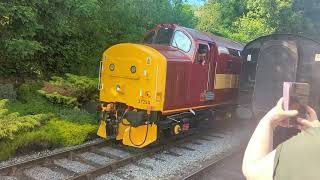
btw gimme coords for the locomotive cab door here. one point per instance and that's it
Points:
(201, 79)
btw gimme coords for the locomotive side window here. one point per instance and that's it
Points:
(181, 41)
(202, 54)
(234, 52)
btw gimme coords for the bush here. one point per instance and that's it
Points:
(34, 123)
(28, 91)
(12, 123)
(32, 102)
(56, 133)
(7, 91)
(72, 90)
(57, 98)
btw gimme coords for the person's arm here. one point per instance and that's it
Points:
(259, 156)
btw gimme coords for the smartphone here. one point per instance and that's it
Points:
(295, 97)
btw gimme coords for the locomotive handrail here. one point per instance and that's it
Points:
(100, 87)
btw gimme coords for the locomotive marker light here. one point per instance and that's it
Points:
(111, 67)
(133, 69)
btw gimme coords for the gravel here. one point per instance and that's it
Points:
(101, 160)
(174, 167)
(74, 166)
(19, 159)
(7, 178)
(43, 173)
(166, 165)
(114, 151)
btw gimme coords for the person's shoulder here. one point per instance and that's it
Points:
(314, 131)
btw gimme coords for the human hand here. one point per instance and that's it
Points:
(310, 121)
(277, 116)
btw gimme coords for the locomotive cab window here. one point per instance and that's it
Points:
(181, 41)
(162, 36)
(202, 54)
(148, 39)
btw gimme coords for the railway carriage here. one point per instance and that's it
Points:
(168, 84)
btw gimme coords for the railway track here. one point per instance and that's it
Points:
(98, 159)
(208, 166)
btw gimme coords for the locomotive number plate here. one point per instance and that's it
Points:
(143, 101)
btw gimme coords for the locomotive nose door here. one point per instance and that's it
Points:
(201, 78)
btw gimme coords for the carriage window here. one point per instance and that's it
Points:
(181, 41)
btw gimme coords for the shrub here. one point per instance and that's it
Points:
(12, 123)
(7, 91)
(32, 102)
(57, 98)
(56, 133)
(28, 91)
(72, 90)
(69, 133)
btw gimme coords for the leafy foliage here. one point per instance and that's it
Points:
(71, 90)
(245, 20)
(33, 123)
(12, 123)
(57, 98)
(41, 38)
(7, 91)
(32, 102)
(56, 133)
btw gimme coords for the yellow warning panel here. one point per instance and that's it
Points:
(123, 125)
(102, 131)
(140, 136)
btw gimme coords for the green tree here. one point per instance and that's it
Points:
(42, 37)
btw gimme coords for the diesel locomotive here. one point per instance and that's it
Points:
(176, 78)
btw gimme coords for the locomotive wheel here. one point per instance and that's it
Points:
(176, 129)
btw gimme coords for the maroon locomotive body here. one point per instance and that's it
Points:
(171, 82)
(195, 81)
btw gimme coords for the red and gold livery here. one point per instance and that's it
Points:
(168, 84)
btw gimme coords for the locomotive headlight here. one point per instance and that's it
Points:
(118, 88)
(133, 69)
(112, 67)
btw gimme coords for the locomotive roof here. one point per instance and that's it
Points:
(197, 35)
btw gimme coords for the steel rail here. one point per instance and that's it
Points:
(64, 153)
(14, 169)
(210, 165)
(131, 158)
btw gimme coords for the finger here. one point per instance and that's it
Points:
(280, 103)
(284, 124)
(311, 112)
(301, 127)
(308, 116)
(304, 122)
(290, 113)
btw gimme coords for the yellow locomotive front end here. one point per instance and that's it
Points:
(132, 87)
